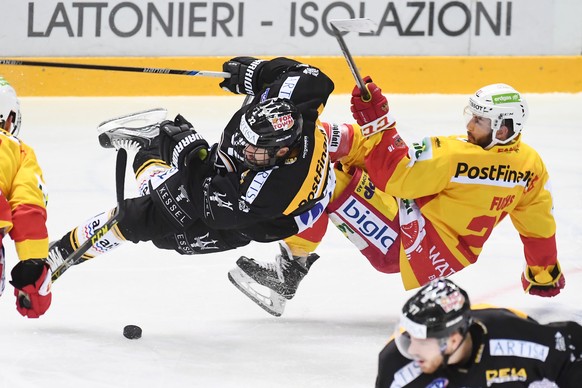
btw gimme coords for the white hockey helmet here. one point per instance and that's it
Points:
(9, 108)
(499, 102)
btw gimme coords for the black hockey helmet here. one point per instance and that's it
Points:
(437, 310)
(268, 126)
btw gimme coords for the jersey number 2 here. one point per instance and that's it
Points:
(477, 224)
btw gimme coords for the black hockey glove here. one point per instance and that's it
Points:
(244, 72)
(179, 142)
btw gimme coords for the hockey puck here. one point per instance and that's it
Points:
(132, 332)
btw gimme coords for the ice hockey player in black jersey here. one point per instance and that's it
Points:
(444, 342)
(268, 177)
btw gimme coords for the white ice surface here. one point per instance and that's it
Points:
(198, 330)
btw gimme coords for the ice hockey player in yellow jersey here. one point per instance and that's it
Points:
(462, 187)
(22, 212)
(432, 205)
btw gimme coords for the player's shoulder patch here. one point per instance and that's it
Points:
(420, 151)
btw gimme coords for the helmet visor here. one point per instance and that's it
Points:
(253, 157)
(469, 114)
(417, 348)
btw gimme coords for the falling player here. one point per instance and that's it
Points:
(268, 178)
(426, 210)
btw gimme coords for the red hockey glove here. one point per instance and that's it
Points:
(366, 111)
(543, 281)
(32, 287)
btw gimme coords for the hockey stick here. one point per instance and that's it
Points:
(152, 70)
(74, 257)
(356, 25)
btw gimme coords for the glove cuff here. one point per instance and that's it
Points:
(544, 275)
(541, 276)
(27, 272)
(380, 124)
(251, 75)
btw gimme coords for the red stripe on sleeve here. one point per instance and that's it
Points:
(540, 251)
(29, 223)
(384, 157)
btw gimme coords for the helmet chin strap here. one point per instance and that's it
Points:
(494, 140)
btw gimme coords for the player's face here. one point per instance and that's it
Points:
(256, 156)
(479, 130)
(427, 353)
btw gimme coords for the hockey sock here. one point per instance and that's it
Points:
(110, 240)
(148, 170)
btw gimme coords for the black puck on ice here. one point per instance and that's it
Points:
(132, 332)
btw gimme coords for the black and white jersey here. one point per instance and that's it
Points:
(282, 201)
(509, 350)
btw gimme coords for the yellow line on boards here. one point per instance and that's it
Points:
(459, 74)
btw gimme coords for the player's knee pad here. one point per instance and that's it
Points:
(368, 217)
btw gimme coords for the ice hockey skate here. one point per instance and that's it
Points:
(133, 131)
(57, 256)
(270, 284)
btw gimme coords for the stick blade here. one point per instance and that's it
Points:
(356, 25)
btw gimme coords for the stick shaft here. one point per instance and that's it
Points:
(351, 63)
(111, 222)
(151, 70)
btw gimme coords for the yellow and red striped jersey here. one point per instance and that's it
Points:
(461, 192)
(22, 198)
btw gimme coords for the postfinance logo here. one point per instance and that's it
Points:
(506, 98)
(494, 175)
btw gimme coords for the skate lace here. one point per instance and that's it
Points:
(127, 144)
(278, 266)
(55, 258)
